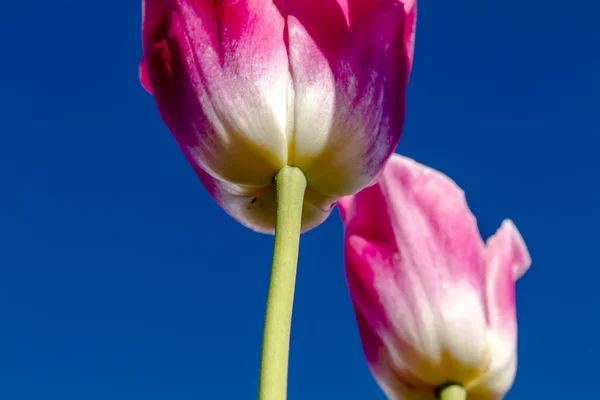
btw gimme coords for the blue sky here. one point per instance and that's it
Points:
(121, 279)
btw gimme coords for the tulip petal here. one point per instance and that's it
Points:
(388, 318)
(394, 385)
(507, 259)
(221, 80)
(143, 74)
(350, 61)
(415, 234)
(255, 208)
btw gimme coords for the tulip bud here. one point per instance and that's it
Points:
(249, 86)
(434, 305)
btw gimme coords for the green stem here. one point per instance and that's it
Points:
(290, 185)
(452, 392)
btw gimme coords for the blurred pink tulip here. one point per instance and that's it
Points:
(434, 304)
(248, 86)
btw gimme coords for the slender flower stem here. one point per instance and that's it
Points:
(452, 392)
(290, 185)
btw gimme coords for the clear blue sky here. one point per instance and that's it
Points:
(121, 279)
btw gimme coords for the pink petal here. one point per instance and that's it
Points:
(255, 208)
(394, 384)
(219, 73)
(143, 73)
(507, 259)
(350, 61)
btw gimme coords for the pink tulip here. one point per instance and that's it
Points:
(249, 86)
(434, 304)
